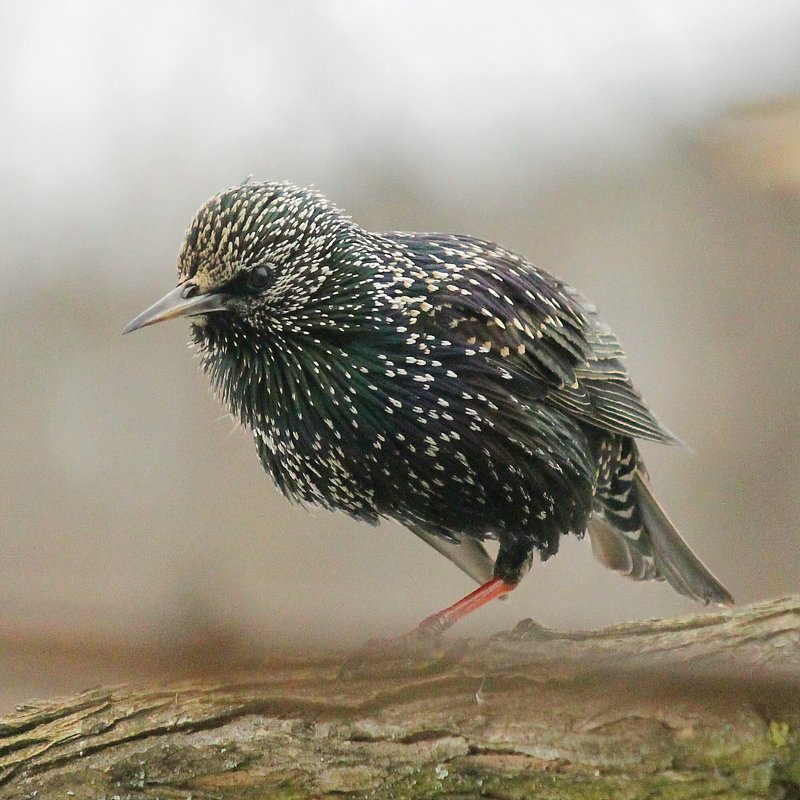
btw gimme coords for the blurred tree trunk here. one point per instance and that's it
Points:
(682, 708)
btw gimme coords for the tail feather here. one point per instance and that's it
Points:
(631, 533)
(615, 550)
(674, 558)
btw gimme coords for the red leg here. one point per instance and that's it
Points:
(441, 621)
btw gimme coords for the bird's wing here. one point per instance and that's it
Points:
(493, 302)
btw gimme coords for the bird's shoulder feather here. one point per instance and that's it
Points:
(498, 305)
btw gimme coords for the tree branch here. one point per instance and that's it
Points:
(677, 708)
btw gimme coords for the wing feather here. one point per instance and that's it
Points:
(534, 325)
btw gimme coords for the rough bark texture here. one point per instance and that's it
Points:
(682, 708)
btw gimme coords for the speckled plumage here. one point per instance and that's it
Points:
(435, 379)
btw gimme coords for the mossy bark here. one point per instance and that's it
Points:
(684, 708)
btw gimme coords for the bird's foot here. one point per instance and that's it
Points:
(425, 644)
(438, 623)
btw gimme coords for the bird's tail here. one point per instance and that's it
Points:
(631, 533)
(673, 558)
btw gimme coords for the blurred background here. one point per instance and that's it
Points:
(647, 152)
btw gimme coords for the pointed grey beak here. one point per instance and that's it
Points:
(180, 302)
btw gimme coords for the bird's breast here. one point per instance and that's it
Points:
(416, 435)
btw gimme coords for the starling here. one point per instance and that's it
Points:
(435, 379)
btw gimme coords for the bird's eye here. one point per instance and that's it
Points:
(259, 278)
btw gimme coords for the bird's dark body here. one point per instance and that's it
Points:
(438, 380)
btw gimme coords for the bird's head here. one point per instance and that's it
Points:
(256, 251)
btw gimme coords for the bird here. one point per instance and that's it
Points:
(434, 379)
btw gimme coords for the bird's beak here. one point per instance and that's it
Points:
(180, 302)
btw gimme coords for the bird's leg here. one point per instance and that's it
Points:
(442, 620)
